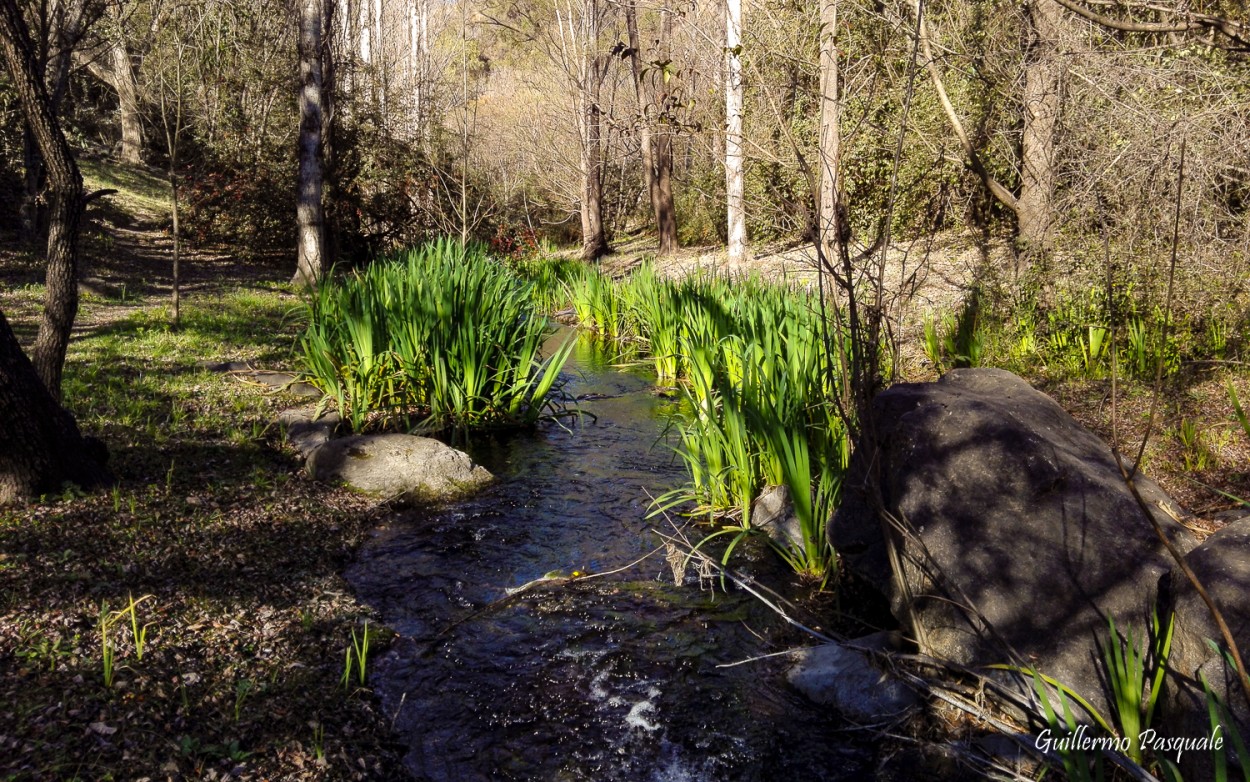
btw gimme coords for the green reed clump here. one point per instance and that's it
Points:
(597, 303)
(755, 380)
(443, 336)
(549, 280)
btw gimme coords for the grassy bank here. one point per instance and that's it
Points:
(231, 667)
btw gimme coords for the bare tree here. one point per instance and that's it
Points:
(735, 190)
(593, 66)
(833, 227)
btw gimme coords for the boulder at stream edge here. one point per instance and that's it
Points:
(1025, 537)
(1222, 566)
(397, 465)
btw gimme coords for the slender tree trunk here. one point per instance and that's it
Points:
(656, 144)
(123, 81)
(176, 300)
(735, 200)
(665, 210)
(832, 228)
(331, 229)
(65, 198)
(1043, 84)
(644, 107)
(310, 216)
(594, 66)
(662, 145)
(594, 241)
(62, 29)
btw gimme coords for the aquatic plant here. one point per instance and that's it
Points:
(444, 337)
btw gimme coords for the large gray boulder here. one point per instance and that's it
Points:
(1024, 538)
(1222, 566)
(397, 465)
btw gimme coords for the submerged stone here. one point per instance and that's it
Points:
(846, 679)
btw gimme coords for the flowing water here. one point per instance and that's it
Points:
(612, 678)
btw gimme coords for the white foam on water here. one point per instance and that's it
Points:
(635, 718)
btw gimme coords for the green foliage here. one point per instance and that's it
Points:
(357, 658)
(1194, 450)
(1076, 336)
(1135, 675)
(959, 340)
(549, 280)
(1136, 679)
(444, 337)
(1238, 410)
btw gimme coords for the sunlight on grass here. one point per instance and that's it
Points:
(138, 190)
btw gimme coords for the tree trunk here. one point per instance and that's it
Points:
(310, 216)
(1043, 83)
(42, 445)
(735, 200)
(594, 241)
(832, 230)
(644, 107)
(123, 81)
(43, 448)
(594, 67)
(665, 211)
(176, 294)
(61, 31)
(119, 75)
(662, 144)
(65, 198)
(656, 144)
(331, 228)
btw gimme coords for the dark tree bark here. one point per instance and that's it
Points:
(655, 144)
(594, 69)
(65, 197)
(43, 448)
(60, 30)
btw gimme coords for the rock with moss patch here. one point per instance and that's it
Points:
(397, 465)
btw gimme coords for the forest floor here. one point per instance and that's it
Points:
(233, 557)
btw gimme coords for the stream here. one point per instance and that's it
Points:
(612, 678)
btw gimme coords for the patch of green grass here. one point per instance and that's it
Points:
(139, 190)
